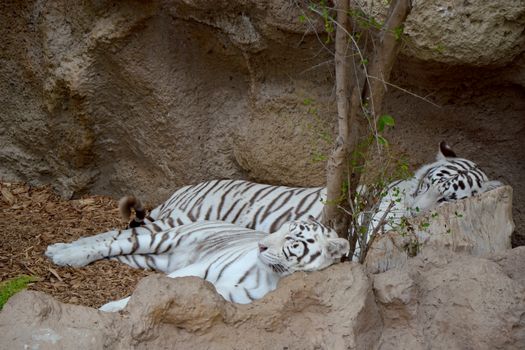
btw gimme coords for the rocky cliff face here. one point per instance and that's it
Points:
(143, 97)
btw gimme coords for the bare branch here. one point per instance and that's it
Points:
(406, 91)
(386, 54)
(365, 246)
(338, 159)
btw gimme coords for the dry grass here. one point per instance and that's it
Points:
(33, 218)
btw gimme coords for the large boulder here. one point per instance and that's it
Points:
(472, 32)
(448, 301)
(34, 320)
(439, 299)
(478, 226)
(333, 309)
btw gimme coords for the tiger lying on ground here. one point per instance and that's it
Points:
(266, 208)
(254, 206)
(242, 264)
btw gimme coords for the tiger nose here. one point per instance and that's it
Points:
(262, 248)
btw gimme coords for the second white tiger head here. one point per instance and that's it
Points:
(449, 178)
(302, 246)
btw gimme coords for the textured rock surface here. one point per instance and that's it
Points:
(142, 97)
(331, 309)
(34, 320)
(447, 301)
(437, 300)
(473, 32)
(512, 263)
(151, 96)
(479, 225)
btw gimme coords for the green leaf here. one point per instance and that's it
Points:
(398, 33)
(302, 18)
(440, 48)
(307, 101)
(382, 140)
(385, 120)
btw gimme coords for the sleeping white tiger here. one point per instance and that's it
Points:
(266, 208)
(255, 206)
(242, 264)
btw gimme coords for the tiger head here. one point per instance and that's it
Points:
(302, 246)
(448, 178)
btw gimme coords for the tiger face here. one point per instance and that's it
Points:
(302, 246)
(448, 178)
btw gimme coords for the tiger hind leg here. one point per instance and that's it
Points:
(148, 229)
(155, 262)
(132, 243)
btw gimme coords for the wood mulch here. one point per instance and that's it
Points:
(33, 217)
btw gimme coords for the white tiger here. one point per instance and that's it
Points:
(266, 208)
(255, 206)
(242, 264)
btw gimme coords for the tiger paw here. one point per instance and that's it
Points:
(72, 256)
(55, 248)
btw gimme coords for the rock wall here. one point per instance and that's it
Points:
(143, 97)
(438, 300)
(472, 32)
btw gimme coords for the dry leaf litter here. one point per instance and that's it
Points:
(34, 217)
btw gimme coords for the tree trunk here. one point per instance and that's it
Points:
(337, 166)
(351, 115)
(385, 55)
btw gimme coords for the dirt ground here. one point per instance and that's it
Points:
(32, 218)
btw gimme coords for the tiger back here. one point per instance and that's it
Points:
(256, 206)
(266, 207)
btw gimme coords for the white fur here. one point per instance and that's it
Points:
(265, 208)
(224, 254)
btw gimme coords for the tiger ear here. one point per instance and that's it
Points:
(337, 247)
(312, 219)
(445, 151)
